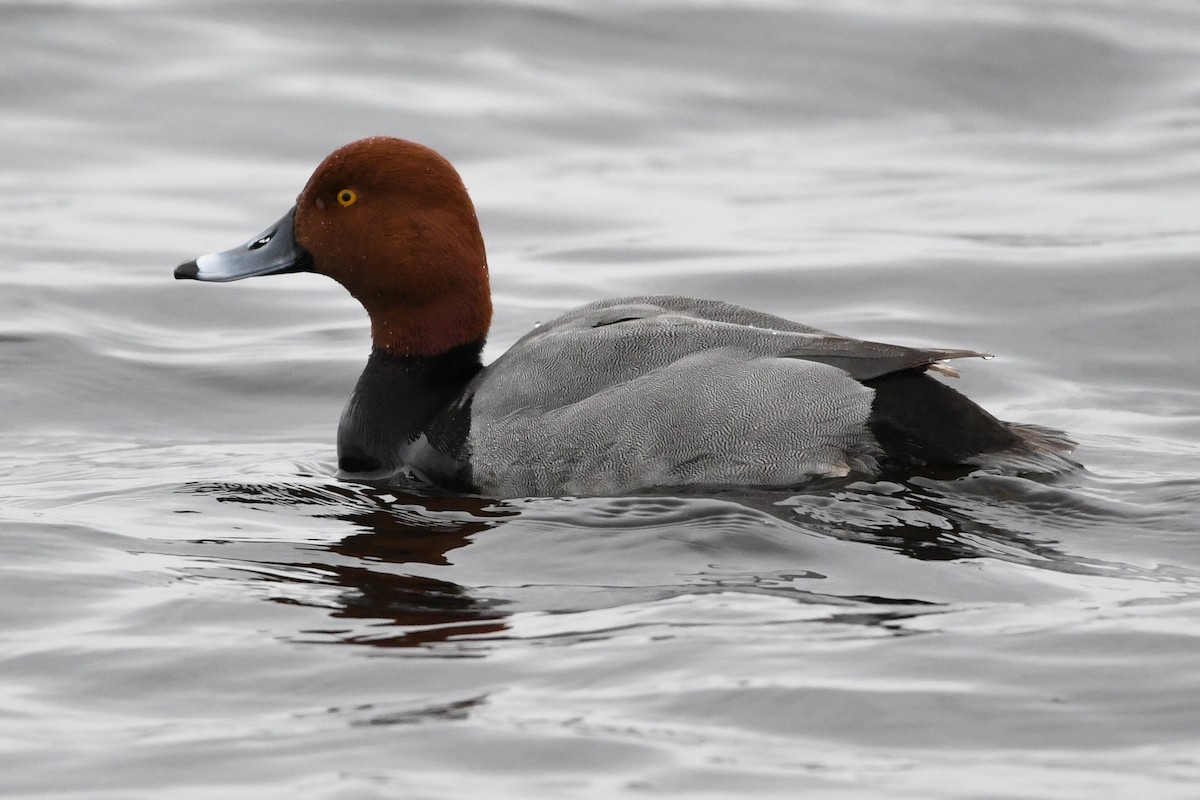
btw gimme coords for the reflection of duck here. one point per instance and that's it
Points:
(429, 610)
(395, 530)
(402, 576)
(616, 396)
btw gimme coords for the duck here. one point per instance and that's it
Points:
(618, 396)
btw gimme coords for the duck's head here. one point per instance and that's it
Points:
(391, 221)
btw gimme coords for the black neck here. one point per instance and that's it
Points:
(396, 400)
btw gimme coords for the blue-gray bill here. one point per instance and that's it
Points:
(272, 252)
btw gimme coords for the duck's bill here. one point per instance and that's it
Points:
(272, 252)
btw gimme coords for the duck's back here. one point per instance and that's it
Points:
(647, 392)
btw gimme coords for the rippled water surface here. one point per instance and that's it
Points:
(192, 605)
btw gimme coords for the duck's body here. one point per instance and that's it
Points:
(616, 396)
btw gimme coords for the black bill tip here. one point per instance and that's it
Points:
(187, 271)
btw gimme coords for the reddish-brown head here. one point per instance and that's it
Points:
(392, 222)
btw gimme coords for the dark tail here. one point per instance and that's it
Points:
(921, 422)
(1038, 450)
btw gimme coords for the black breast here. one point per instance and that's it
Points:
(399, 399)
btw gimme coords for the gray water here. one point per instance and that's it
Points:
(193, 606)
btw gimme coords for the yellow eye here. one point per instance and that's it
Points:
(347, 197)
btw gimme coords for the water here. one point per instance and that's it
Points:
(191, 604)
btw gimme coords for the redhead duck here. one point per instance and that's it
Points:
(617, 396)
